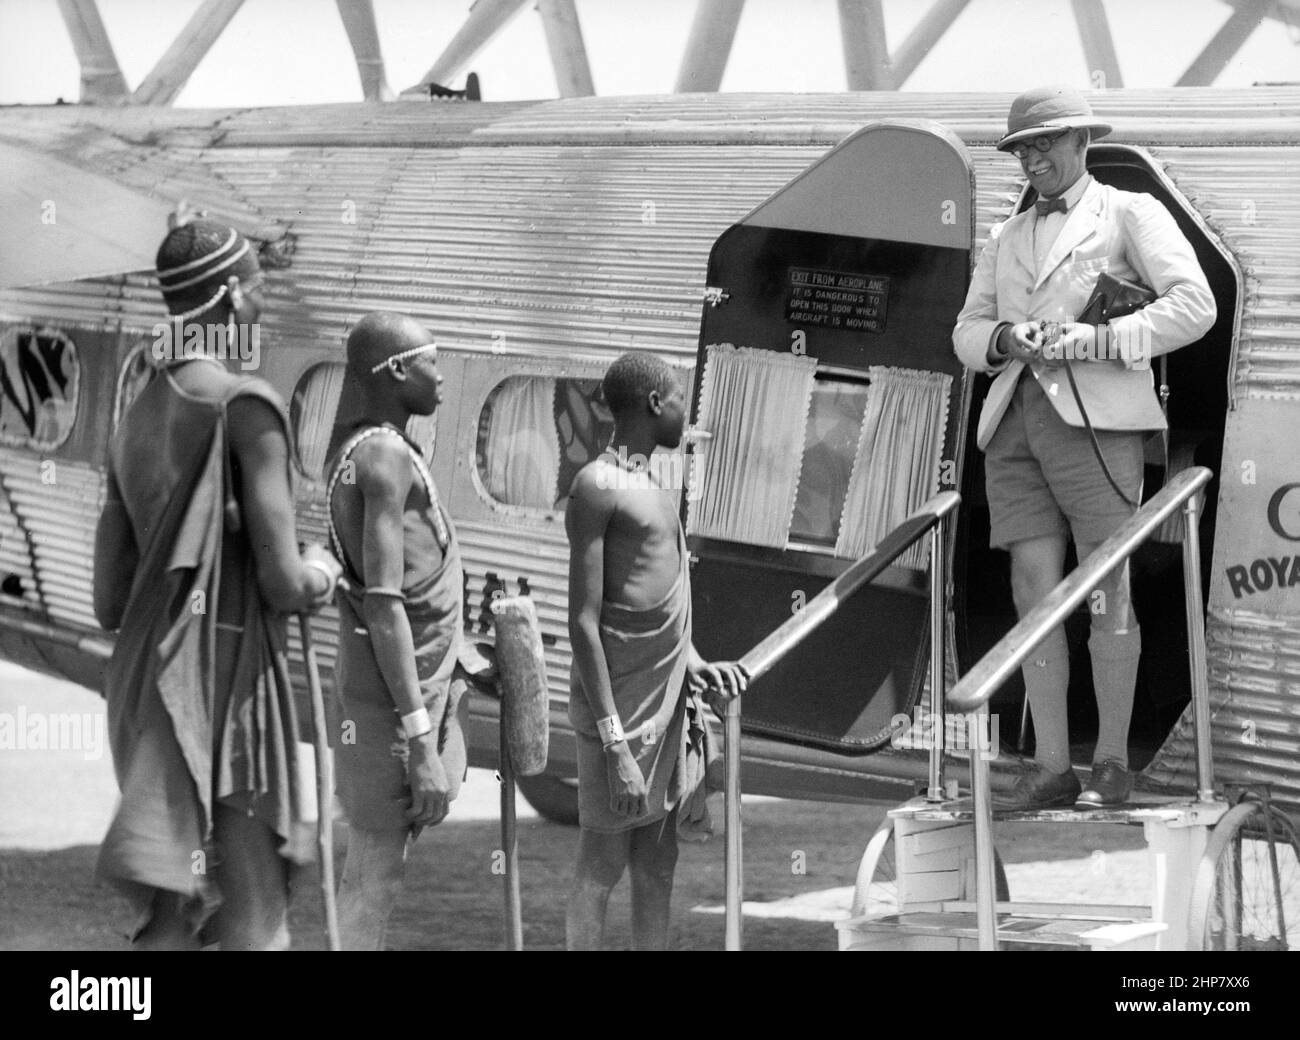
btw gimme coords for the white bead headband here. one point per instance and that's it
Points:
(426, 348)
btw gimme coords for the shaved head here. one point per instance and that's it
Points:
(381, 335)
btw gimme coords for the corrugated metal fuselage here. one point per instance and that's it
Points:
(547, 238)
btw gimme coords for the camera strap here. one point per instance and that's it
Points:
(1092, 434)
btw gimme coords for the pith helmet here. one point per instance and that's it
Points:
(1049, 108)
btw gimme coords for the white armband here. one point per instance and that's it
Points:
(610, 730)
(416, 723)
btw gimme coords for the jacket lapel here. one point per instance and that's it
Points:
(1081, 223)
(1022, 243)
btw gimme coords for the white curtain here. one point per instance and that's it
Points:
(318, 403)
(897, 466)
(755, 402)
(522, 454)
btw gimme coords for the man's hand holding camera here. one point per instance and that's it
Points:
(1051, 343)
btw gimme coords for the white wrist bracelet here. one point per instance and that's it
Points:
(416, 723)
(610, 730)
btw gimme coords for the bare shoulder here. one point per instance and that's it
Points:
(383, 467)
(593, 494)
(594, 482)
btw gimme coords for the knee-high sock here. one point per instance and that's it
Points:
(1047, 681)
(1114, 674)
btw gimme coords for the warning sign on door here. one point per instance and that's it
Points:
(837, 299)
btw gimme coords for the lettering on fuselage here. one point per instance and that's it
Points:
(1267, 573)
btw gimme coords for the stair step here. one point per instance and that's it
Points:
(1176, 812)
(1064, 911)
(960, 931)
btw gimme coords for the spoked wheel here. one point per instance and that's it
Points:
(876, 892)
(1247, 891)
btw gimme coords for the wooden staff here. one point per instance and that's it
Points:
(324, 783)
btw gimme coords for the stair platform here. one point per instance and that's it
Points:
(923, 867)
(957, 930)
(1142, 809)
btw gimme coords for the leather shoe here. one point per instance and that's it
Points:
(1111, 784)
(1038, 789)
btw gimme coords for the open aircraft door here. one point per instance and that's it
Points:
(827, 379)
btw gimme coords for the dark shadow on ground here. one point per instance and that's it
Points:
(454, 900)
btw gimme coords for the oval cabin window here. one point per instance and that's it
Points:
(313, 411)
(40, 377)
(534, 434)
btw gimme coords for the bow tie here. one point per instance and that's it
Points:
(1046, 206)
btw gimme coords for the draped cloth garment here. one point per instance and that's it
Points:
(646, 651)
(372, 765)
(200, 705)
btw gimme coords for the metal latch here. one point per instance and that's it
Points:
(715, 296)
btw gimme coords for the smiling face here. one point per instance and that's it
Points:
(1052, 172)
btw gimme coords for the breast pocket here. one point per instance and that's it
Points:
(1090, 267)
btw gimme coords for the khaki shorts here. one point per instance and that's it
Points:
(1043, 478)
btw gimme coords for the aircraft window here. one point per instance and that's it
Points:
(313, 410)
(311, 415)
(137, 372)
(40, 378)
(871, 446)
(830, 445)
(535, 433)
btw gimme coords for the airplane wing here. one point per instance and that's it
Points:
(60, 223)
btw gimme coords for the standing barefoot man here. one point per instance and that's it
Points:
(634, 701)
(399, 621)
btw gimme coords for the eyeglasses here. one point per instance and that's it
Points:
(1041, 143)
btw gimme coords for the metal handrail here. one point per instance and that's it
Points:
(931, 517)
(976, 687)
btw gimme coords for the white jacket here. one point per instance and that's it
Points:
(1131, 236)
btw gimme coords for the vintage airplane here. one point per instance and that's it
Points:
(540, 240)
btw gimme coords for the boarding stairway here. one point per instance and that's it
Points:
(934, 857)
(944, 848)
(935, 897)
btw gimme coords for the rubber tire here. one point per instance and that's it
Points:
(555, 798)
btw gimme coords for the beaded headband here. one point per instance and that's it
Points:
(391, 362)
